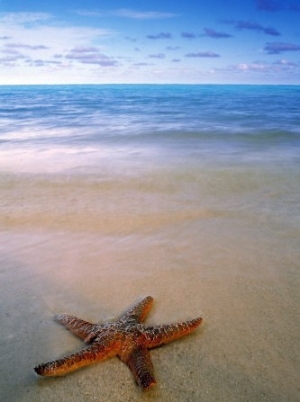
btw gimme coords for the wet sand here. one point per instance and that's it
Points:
(235, 266)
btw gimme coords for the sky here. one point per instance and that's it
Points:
(139, 41)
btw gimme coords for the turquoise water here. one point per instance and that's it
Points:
(149, 124)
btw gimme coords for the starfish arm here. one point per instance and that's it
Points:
(141, 367)
(93, 354)
(139, 311)
(159, 335)
(82, 329)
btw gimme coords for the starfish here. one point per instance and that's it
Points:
(127, 337)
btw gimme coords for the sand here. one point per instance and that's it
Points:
(246, 348)
(234, 261)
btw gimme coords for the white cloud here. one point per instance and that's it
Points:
(30, 33)
(284, 62)
(127, 13)
(23, 18)
(202, 54)
(280, 66)
(142, 15)
(89, 13)
(90, 55)
(24, 46)
(56, 36)
(157, 56)
(36, 49)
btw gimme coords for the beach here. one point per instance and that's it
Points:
(202, 216)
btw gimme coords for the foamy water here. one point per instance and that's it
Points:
(190, 194)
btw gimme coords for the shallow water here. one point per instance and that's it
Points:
(190, 194)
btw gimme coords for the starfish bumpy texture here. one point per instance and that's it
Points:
(126, 338)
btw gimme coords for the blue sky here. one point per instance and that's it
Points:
(138, 41)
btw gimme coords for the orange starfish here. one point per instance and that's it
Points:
(126, 338)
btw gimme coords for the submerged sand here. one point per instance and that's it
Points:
(239, 270)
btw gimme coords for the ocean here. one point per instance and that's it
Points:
(189, 193)
(149, 124)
